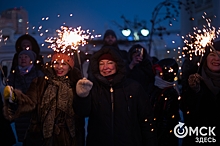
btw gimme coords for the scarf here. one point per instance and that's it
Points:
(212, 80)
(58, 95)
(160, 83)
(25, 70)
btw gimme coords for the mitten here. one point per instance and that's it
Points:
(83, 87)
(194, 81)
(9, 94)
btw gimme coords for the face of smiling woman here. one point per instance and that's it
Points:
(107, 67)
(213, 61)
(61, 68)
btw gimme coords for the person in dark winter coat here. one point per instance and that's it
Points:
(189, 66)
(6, 133)
(201, 106)
(140, 67)
(21, 79)
(118, 108)
(165, 101)
(49, 99)
(110, 39)
(27, 42)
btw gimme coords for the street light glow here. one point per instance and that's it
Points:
(145, 32)
(126, 32)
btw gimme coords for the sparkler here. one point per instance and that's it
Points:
(4, 81)
(68, 41)
(202, 38)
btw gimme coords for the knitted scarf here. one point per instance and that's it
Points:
(212, 80)
(58, 95)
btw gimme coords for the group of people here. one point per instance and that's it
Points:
(129, 99)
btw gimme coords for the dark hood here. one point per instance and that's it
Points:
(109, 32)
(120, 65)
(133, 50)
(35, 46)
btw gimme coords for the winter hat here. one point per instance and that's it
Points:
(216, 45)
(135, 48)
(107, 57)
(109, 32)
(30, 53)
(63, 56)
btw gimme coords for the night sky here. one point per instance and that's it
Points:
(95, 15)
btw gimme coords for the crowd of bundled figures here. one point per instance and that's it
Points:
(130, 98)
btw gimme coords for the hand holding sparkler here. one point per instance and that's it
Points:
(83, 87)
(194, 81)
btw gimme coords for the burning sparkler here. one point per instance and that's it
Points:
(68, 41)
(202, 38)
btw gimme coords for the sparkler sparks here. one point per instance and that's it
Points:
(202, 38)
(69, 39)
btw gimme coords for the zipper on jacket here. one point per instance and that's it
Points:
(112, 100)
(112, 108)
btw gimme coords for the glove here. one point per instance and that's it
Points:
(83, 87)
(194, 81)
(9, 94)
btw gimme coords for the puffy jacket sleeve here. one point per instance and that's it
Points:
(24, 102)
(82, 106)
